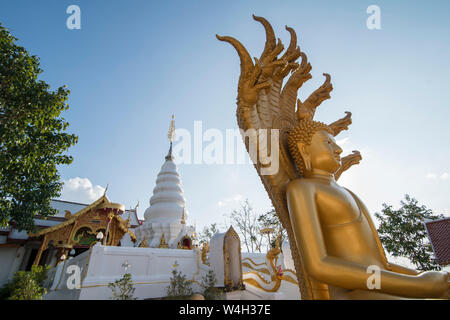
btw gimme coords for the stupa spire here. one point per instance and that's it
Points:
(171, 136)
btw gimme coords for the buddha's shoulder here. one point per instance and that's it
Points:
(301, 185)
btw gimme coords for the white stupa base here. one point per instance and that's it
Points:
(150, 269)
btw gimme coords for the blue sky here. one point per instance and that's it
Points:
(134, 63)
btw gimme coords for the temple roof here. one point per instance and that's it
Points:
(102, 202)
(439, 234)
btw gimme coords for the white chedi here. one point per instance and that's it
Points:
(165, 218)
(166, 214)
(167, 202)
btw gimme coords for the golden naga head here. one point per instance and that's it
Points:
(267, 98)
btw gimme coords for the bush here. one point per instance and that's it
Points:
(180, 288)
(208, 284)
(122, 289)
(27, 285)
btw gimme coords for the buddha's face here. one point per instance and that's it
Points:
(323, 153)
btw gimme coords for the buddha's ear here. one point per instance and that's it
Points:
(305, 155)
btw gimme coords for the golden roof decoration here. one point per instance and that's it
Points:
(67, 214)
(101, 203)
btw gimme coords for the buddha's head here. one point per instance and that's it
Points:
(312, 146)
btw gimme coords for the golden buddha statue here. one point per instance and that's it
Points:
(333, 240)
(162, 242)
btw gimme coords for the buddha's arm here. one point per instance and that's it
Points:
(340, 272)
(401, 269)
(390, 266)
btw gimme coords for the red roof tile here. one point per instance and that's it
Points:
(439, 234)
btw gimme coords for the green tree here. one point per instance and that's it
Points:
(123, 288)
(403, 232)
(207, 233)
(28, 285)
(32, 137)
(270, 220)
(179, 287)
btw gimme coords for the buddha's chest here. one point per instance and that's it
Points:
(336, 206)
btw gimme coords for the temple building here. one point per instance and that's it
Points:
(70, 232)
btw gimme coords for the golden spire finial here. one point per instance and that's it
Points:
(171, 134)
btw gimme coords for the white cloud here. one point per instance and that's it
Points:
(81, 190)
(431, 176)
(342, 141)
(231, 201)
(347, 148)
(435, 176)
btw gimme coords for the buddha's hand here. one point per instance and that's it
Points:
(435, 284)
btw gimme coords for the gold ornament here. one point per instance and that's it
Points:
(143, 243)
(162, 242)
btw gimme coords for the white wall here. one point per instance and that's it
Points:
(150, 269)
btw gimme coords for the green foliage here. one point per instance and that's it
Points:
(27, 285)
(270, 220)
(179, 288)
(403, 233)
(32, 137)
(207, 233)
(208, 284)
(123, 288)
(40, 273)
